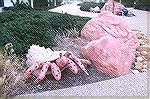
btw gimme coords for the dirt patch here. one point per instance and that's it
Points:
(68, 78)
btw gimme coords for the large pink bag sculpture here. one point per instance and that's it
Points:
(109, 55)
(113, 6)
(108, 24)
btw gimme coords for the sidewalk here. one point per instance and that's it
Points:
(128, 85)
(73, 9)
(139, 21)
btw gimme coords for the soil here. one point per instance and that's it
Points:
(68, 80)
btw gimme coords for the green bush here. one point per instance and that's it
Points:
(19, 6)
(128, 3)
(23, 28)
(66, 21)
(85, 6)
(45, 5)
(23, 31)
(40, 3)
(140, 4)
(143, 5)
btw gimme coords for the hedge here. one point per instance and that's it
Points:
(143, 5)
(140, 4)
(85, 6)
(26, 27)
(128, 3)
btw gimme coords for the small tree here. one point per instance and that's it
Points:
(128, 3)
(17, 1)
(29, 2)
(40, 3)
(20, 1)
(143, 5)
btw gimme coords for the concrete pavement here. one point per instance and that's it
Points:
(139, 21)
(73, 9)
(128, 85)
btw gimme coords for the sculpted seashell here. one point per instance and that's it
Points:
(41, 54)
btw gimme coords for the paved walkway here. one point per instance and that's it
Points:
(128, 85)
(140, 21)
(73, 9)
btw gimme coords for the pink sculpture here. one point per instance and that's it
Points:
(45, 60)
(112, 44)
(113, 6)
(109, 55)
(108, 24)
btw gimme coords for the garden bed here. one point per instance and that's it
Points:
(68, 78)
(42, 22)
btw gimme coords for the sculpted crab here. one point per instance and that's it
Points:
(41, 62)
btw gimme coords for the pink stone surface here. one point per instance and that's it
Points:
(109, 55)
(113, 7)
(108, 24)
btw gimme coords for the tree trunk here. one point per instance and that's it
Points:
(17, 2)
(1, 3)
(29, 2)
(40, 3)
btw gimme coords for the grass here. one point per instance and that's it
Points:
(1, 69)
(1, 61)
(11, 70)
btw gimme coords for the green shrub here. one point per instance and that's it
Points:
(19, 6)
(85, 6)
(45, 4)
(140, 4)
(40, 3)
(62, 22)
(23, 28)
(24, 31)
(143, 5)
(128, 3)
(66, 21)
